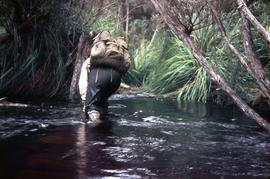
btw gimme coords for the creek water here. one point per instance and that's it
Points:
(142, 138)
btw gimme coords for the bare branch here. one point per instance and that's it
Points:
(254, 70)
(257, 25)
(179, 30)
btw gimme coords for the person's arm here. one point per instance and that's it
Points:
(83, 80)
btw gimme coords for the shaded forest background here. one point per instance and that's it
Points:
(38, 46)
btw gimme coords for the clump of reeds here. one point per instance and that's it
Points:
(38, 55)
(168, 68)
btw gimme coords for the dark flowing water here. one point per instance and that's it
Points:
(145, 138)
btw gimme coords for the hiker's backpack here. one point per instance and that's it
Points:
(111, 52)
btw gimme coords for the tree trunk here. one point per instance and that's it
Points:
(253, 67)
(120, 12)
(247, 41)
(175, 24)
(253, 60)
(244, 9)
(127, 19)
(82, 53)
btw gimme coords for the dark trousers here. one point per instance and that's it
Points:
(102, 83)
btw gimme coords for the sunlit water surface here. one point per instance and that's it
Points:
(143, 138)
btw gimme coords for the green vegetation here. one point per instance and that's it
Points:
(38, 56)
(38, 60)
(168, 68)
(172, 70)
(2, 31)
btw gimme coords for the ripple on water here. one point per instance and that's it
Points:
(155, 120)
(148, 141)
(147, 122)
(117, 106)
(130, 173)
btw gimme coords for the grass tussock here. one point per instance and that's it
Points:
(38, 59)
(38, 55)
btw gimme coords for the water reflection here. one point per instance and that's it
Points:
(91, 146)
(77, 151)
(145, 138)
(192, 109)
(81, 148)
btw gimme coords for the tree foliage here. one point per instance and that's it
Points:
(38, 44)
(169, 9)
(41, 37)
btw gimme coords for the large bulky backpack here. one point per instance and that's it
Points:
(109, 51)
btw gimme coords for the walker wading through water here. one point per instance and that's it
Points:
(111, 52)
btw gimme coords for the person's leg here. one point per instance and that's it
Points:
(102, 83)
